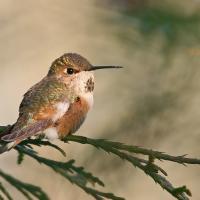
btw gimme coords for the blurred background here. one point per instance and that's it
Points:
(153, 102)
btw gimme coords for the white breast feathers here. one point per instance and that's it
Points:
(51, 133)
(88, 98)
(61, 109)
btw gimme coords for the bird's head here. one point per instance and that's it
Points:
(75, 69)
(72, 63)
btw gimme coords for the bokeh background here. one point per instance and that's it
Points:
(153, 102)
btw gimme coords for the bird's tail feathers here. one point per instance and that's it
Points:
(6, 147)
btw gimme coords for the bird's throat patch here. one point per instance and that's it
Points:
(89, 85)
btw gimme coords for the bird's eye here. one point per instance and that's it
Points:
(70, 71)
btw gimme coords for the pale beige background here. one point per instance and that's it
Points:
(153, 102)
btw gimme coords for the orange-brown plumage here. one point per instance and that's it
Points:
(58, 104)
(74, 118)
(44, 113)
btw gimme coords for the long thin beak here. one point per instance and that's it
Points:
(103, 67)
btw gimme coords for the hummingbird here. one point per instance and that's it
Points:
(57, 105)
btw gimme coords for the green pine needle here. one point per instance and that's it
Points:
(5, 192)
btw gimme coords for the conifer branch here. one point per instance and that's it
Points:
(5, 192)
(76, 175)
(81, 178)
(105, 144)
(28, 190)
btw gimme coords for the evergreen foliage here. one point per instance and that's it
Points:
(86, 180)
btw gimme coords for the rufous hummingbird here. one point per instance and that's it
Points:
(57, 105)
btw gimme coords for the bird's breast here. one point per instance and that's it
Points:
(71, 121)
(61, 108)
(88, 98)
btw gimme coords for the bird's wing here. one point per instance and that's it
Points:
(29, 131)
(38, 109)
